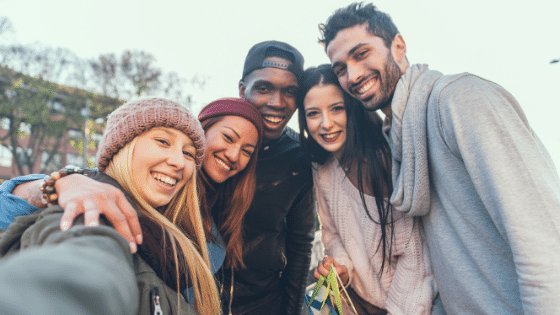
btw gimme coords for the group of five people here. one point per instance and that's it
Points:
(419, 213)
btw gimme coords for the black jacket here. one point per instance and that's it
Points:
(278, 231)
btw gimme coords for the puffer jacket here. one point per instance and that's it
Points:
(85, 270)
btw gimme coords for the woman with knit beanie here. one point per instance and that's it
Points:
(150, 150)
(226, 182)
(233, 129)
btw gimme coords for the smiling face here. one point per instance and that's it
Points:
(273, 91)
(366, 68)
(325, 115)
(162, 163)
(230, 143)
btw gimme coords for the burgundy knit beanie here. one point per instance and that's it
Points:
(136, 117)
(233, 106)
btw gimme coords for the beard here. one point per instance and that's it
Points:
(388, 82)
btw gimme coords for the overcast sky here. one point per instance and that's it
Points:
(509, 42)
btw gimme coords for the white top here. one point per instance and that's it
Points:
(351, 238)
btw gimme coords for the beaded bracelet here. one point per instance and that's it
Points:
(48, 192)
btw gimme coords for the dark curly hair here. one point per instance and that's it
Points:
(380, 23)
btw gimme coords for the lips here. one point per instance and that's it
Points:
(331, 137)
(273, 120)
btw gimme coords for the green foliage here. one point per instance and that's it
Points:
(48, 110)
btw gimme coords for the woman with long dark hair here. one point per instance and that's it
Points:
(378, 253)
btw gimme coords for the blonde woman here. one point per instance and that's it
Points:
(150, 150)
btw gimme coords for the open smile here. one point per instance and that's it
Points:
(165, 179)
(331, 136)
(223, 164)
(273, 120)
(365, 86)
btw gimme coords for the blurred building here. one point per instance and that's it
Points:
(44, 125)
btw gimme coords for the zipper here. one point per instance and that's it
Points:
(155, 302)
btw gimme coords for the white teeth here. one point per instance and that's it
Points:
(165, 179)
(273, 119)
(365, 87)
(223, 164)
(330, 136)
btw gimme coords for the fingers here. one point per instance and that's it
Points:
(324, 266)
(131, 217)
(316, 274)
(91, 213)
(119, 222)
(70, 214)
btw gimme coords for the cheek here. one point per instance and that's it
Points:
(312, 125)
(243, 162)
(188, 172)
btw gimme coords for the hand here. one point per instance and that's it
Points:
(324, 267)
(93, 198)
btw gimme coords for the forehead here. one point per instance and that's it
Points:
(277, 77)
(323, 95)
(171, 132)
(348, 39)
(234, 122)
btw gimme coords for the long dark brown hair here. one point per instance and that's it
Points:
(365, 150)
(228, 204)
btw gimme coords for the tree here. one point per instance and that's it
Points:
(133, 74)
(5, 25)
(35, 131)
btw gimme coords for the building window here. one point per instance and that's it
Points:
(5, 123)
(56, 106)
(75, 134)
(6, 156)
(25, 128)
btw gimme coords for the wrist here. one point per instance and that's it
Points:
(49, 194)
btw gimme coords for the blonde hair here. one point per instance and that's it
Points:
(183, 211)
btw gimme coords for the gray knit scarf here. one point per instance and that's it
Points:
(406, 134)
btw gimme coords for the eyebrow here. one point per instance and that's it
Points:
(358, 46)
(257, 82)
(317, 108)
(233, 130)
(336, 103)
(350, 53)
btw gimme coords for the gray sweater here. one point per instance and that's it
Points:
(466, 158)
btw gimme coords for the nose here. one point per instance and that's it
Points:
(275, 100)
(232, 154)
(326, 122)
(354, 72)
(176, 159)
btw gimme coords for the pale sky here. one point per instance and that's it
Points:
(508, 42)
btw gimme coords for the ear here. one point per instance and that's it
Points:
(241, 89)
(398, 51)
